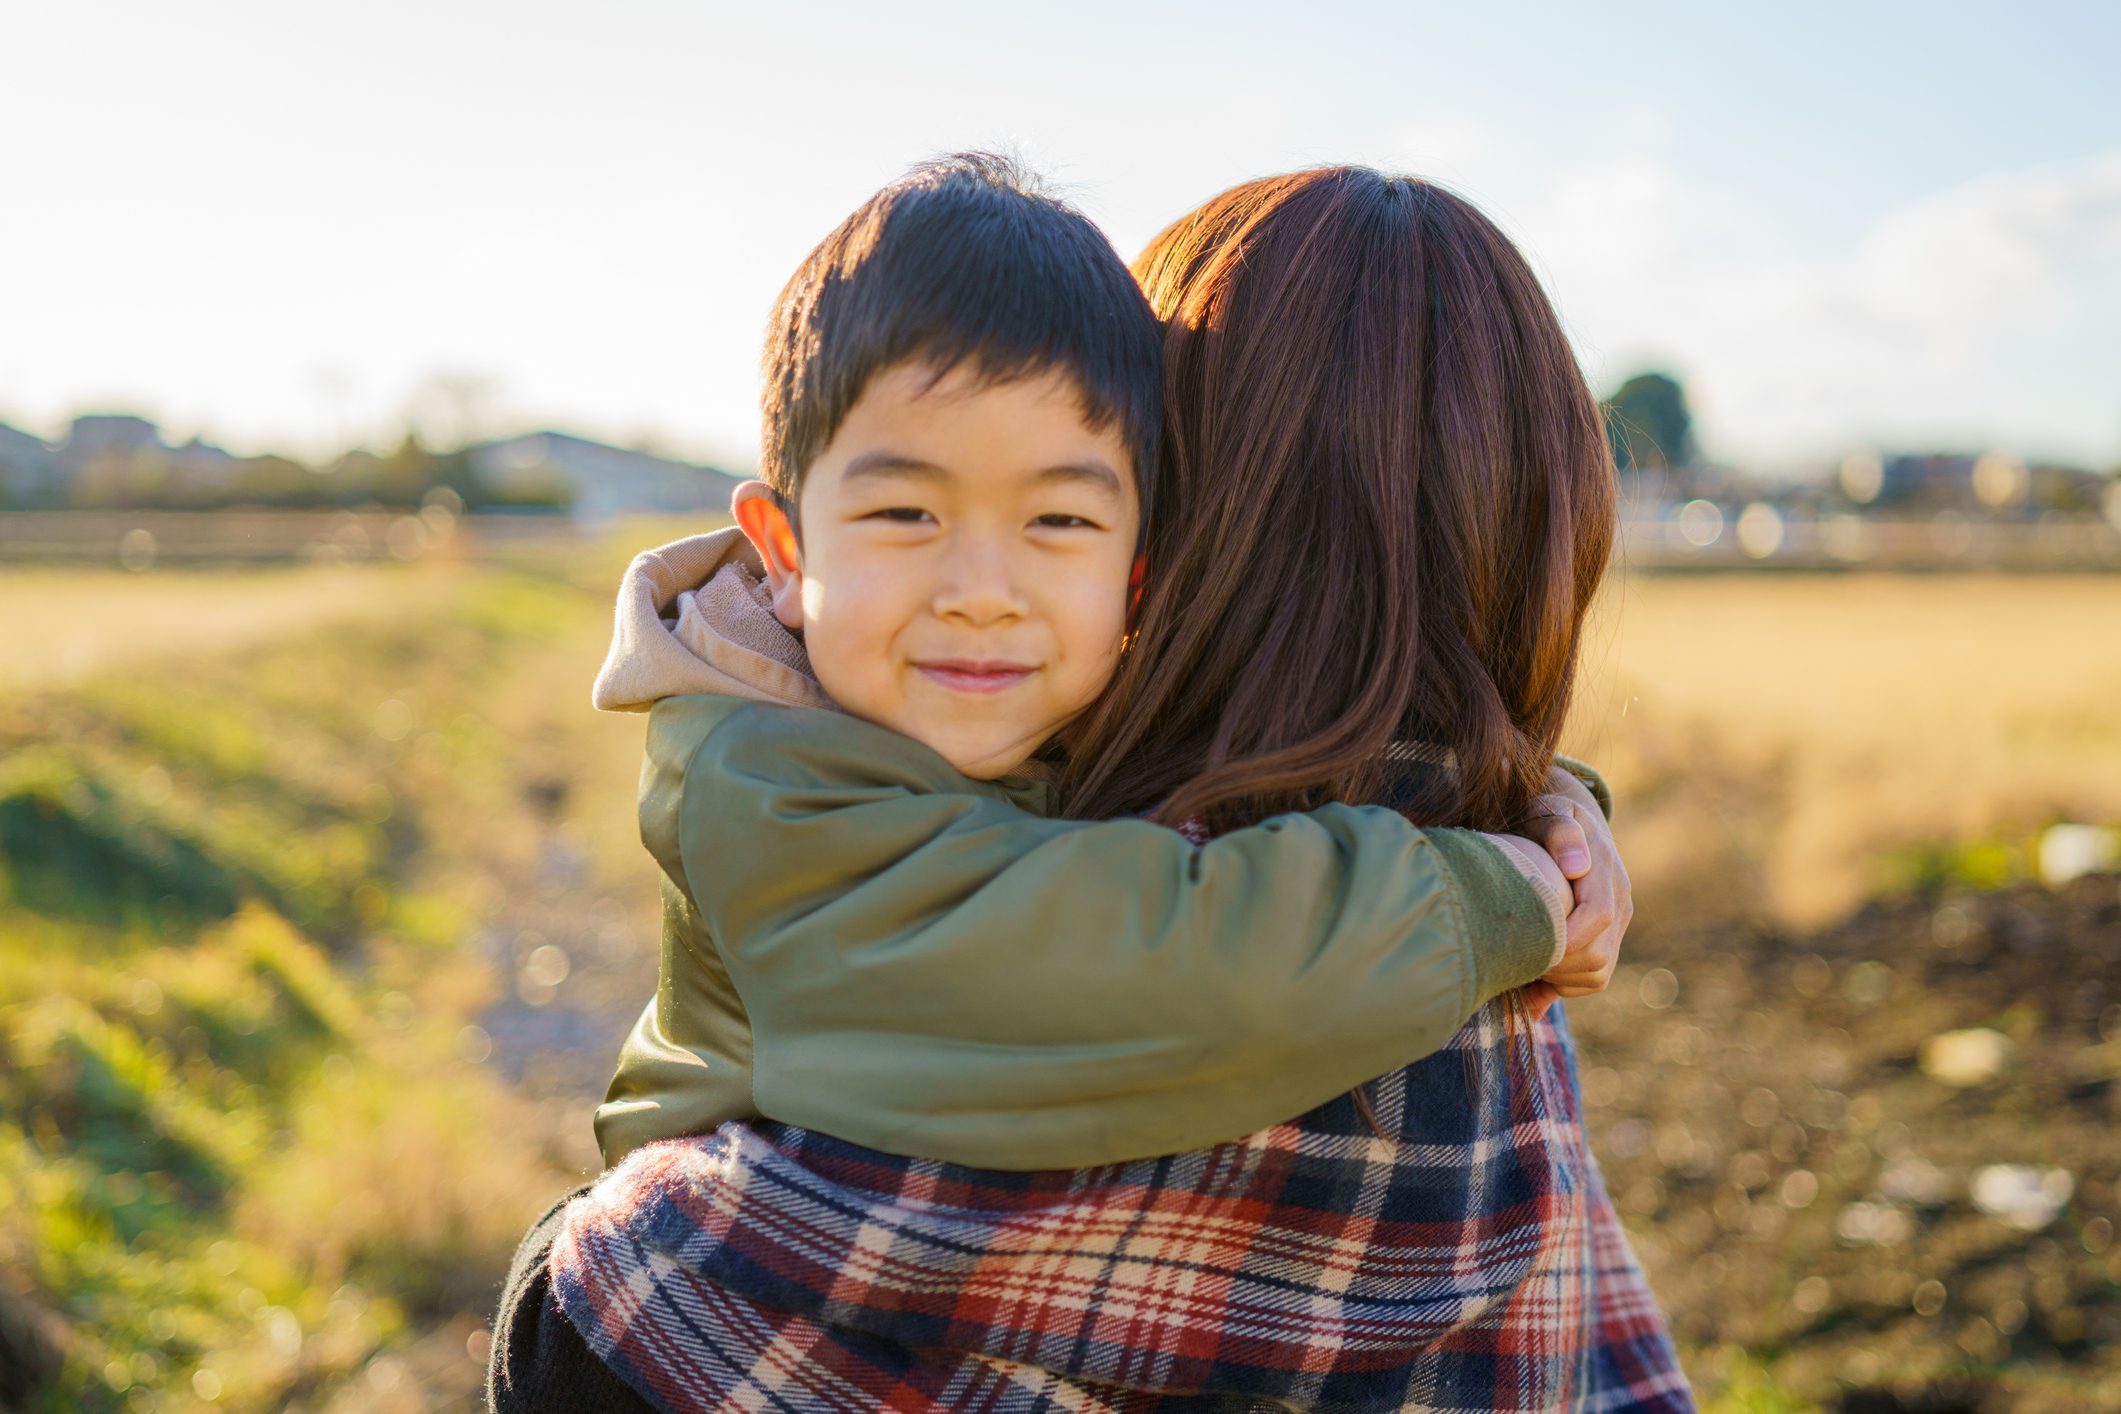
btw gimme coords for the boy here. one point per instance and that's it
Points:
(869, 930)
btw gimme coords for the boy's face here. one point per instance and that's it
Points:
(962, 575)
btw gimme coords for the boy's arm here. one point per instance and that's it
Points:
(931, 970)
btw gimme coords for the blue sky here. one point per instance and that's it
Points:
(279, 225)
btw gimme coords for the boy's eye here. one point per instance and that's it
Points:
(905, 515)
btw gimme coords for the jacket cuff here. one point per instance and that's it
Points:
(1593, 782)
(1510, 934)
(1520, 852)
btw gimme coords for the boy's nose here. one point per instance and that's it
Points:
(978, 586)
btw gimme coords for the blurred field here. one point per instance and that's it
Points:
(65, 622)
(1785, 746)
(322, 914)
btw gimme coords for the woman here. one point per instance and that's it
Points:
(1392, 506)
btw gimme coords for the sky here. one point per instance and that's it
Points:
(296, 227)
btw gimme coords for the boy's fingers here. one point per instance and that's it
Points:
(1567, 816)
(1539, 997)
(1593, 962)
(1556, 830)
(1566, 784)
(1589, 966)
(1588, 970)
(1592, 917)
(1603, 904)
(1593, 975)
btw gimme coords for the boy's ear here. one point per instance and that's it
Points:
(765, 524)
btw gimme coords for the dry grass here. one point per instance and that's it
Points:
(1775, 740)
(64, 623)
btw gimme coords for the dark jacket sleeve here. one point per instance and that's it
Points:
(539, 1363)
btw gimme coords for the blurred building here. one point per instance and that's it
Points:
(109, 433)
(29, 470)
(596, 480)
(110, 460)
(1992, 484)
(117, 457)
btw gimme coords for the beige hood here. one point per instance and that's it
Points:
(693, 617)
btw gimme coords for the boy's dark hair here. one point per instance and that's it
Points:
(965, 258)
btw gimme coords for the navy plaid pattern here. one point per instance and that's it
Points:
(1473, 1261)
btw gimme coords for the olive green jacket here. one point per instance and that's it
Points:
(860, 940)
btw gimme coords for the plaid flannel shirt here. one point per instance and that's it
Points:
(1471, 1262)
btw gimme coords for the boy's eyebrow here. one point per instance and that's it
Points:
(883, 463)
(1091, 469)
(886, 463)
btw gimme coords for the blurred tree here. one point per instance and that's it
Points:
(406, 474)
(541, 490)
(278, 482)
(119, 480)
(1649, 425)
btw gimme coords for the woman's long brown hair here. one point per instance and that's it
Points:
(1389, 501)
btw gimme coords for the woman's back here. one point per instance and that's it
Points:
(1469, 1261)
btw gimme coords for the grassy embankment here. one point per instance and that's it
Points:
(248, 1150)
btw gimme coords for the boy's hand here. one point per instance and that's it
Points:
(1567, 823)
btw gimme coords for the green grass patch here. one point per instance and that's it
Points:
(235, 1154)
(1931, 867)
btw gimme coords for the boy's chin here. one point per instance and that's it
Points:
(986, 768)
(982, 761)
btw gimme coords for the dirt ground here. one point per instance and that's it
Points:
(1801, 1183)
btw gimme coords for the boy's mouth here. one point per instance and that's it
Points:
(974, 675)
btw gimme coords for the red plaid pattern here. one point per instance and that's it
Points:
(1472, 1262)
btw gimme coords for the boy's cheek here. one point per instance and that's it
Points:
(815, 599)
(853, 682)
(860, 597)
(1099, 634)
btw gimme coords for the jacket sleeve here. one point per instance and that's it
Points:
(930, 969)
